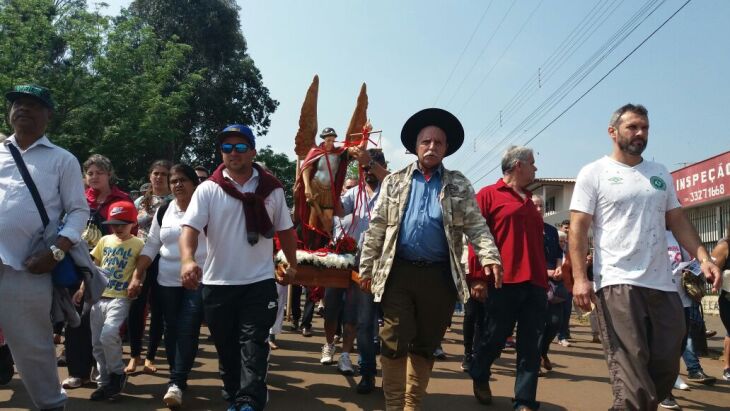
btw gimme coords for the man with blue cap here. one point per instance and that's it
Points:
(240, 207)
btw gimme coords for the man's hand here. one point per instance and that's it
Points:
(190, 275)
(712, 274)
(134, 288)
(78, 297)
(40, 262)
(583, 294)
(496, 271)
(478, 290)
(285, 275)
(362, 156)
(365, 284)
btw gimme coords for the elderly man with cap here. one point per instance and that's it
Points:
(25, 280)
(240, 207)
(411, 254)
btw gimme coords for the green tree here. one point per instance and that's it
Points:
(120, 90)
(232, 89)
(283, 168)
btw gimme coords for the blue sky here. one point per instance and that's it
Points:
(406, 50)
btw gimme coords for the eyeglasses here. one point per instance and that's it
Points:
(240, 148)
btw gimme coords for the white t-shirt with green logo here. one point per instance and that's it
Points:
(628, 205)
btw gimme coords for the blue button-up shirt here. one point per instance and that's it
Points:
(422, 236)
(361, 216)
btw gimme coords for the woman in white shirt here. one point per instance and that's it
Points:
(182, 309)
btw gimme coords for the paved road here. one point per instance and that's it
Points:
(298, 382)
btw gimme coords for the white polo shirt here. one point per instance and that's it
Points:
(231, 259)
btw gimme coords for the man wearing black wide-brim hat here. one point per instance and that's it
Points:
(414, 244)
(25, 281)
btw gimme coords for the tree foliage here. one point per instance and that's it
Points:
(232, 89)
(283, 168)
(139, 86)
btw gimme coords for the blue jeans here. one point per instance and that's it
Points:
(182, 313)
(564, 332)
(367, 327)
(688, 355)
(526, 305)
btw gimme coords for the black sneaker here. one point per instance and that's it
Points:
(116, 385)
(99, 393)
(701, 377)
(294, 326)
(6, 365)
(366, 384)
(670, 403)
(726, 374)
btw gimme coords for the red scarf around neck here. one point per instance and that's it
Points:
(254, 208)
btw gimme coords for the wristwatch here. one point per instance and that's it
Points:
(58, 254)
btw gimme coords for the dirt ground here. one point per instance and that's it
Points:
(579, 381)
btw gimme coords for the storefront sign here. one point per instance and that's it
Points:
(705, 181)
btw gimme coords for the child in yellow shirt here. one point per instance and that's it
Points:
(116, 254)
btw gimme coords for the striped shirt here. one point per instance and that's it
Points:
(57, 175)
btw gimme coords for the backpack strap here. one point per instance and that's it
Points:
(161, 212)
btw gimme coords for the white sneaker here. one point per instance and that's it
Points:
(328, 354)
(173, 397)
(564, 343)
(680, 384)
(72, 382)
(344, 365)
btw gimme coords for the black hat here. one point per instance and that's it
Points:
(31, 90)
(328, 132)
(433, 117)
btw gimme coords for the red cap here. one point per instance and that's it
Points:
(122, 212)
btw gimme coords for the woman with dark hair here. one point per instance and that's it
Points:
(721, 254)
(182, 309)
(100, 194)
(155, 196)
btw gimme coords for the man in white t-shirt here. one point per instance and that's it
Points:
(628, 201)
(239, 207)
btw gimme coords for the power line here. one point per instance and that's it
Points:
(484, 49)
(574, 80)
(499, 59)
(453, 70)
(599, 80)
(592, 21)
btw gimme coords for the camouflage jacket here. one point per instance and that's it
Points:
(461, 216)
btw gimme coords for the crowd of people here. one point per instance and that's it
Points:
(197, 248)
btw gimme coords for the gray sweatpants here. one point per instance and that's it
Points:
(106, 316)
(25, 318)
(642, 331)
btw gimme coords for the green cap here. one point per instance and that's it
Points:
(39, 92)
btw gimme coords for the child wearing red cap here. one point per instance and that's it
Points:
(116, 254)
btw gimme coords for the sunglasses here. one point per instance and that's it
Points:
(240, 148)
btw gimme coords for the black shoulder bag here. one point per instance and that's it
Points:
(64, 274)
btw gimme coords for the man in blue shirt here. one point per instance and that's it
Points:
(411, 254)
(360, 309)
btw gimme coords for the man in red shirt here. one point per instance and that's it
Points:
(519, 295)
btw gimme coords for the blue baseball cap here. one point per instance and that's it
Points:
(239, 129)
